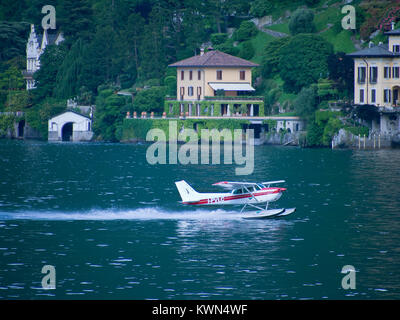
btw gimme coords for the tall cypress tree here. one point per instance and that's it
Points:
(74, 17)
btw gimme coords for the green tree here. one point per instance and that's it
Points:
(46, 76)
(306, 103)
(69, 75)
(302, 21)
(303, 61)
(246, 31)
(109, 114)
(170, 83)
(314, 134)
(272, 56)
(11, 79)
(228, 47)
(41, 112)
(330, 129)
(341, 70)
(75, 19)
(135, 37)
(152, 51)
(218, 38)
(261, 8)
(13, 37)
(220, 10)
(247, 51)
(150, 100)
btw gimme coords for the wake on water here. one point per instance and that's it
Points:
(134, 214)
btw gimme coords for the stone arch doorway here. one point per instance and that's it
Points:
(21, 128)
(66, 131)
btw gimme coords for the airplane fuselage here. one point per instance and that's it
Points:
(229, 198)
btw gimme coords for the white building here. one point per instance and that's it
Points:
(70, 126)
(34, 49)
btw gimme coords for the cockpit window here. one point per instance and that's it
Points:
(261, 186)
(237, 191)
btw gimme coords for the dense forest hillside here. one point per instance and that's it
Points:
(127, 45)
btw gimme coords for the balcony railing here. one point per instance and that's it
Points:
(224, 98)
(235, 98)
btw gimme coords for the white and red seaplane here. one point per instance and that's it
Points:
(251, 194)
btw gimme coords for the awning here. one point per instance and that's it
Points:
(232, 86)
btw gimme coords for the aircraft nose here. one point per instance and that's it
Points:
(282, 189)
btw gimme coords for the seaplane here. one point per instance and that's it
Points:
(247, 194)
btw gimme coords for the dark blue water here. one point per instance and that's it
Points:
(112, 226)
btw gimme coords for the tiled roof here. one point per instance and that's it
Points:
(214, 58)
(52, 37)
(374, 51)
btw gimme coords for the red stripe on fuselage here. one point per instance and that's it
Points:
(241, 196)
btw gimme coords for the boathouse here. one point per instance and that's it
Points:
(70, 126)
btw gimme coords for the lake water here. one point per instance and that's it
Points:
(112, 226)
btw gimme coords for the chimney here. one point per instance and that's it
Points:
(393, 25)
(371, 44)
(201, 51)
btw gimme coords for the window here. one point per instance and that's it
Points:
(198, 93)
(387, 95)
(361, 95)
(182, 92)
(242, 75)
(198, 75)
(373, 95)
(190, 91)
(190, 75)
(396, 48)
(237, 191)
(396, 72)
(182, 75)
(361, 74)
(386, 72)
(373, 74)
(219, 74)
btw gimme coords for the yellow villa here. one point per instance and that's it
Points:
(377, 73)
(377, 81)
(214, 83)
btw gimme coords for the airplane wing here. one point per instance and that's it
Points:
(267, 183)
(234, 185)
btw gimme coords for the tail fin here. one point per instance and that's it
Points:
(186, 192)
